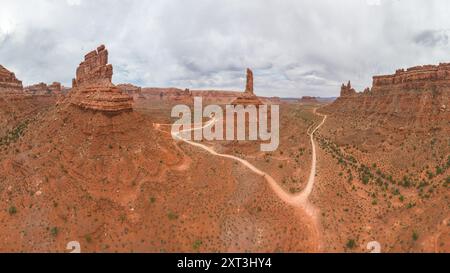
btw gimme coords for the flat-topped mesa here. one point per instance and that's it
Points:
(9, 84)
(308, 99)
(44, 89)
(414, 78)
(249, 83)
(92, 87)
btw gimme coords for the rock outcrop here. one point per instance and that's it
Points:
(425, 77)
(308, 100)
(347, 90)
(132, 90)
(93, 89)
(249, 84)
(43, 89)
(248, 97)
(9, 85)
(416, 96)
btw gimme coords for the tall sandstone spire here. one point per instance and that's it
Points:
(248, 97)
(249, 85)
(93, 88)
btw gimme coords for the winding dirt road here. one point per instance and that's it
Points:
(298, 200)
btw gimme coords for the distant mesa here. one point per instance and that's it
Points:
(418, 78)
(308, 100)
(132, 90)
(93, 88)
(43, 89)
(248, 97)
(417, 95)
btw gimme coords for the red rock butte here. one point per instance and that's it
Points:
(418, 95)
(420, 78)
(248, 97)
(43, 89)
(9, 84)
(93, 88)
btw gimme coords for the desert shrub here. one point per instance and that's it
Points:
(415, 236)
(365, 179)
(172, 216)
(351, 243)
(12, 210)
(54, 231)
(196, 245)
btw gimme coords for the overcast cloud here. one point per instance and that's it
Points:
(295, 47)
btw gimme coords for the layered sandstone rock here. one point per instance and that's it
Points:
(248, 97)
(55, 88)
(15, 105)
(249, 84)
(415, 78)
(41, 89)
(308, 100)
(9, 85)
(132, 90)
(417, 96)
(347, 90)
(93, 89)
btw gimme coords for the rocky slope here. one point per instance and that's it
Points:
(386, 161)
(15, 105)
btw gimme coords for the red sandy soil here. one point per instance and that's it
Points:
(113, 183)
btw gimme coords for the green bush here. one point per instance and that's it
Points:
(351, 243)
(12, 210)
(54, 231)
(196, 245)
(172, 216)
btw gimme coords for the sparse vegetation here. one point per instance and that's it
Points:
(54, 231)
(351, 243)
(88, 238)
(14, 134)
(172, 216)
(12, 210)
(197, 244)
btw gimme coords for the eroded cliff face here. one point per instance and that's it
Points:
(43, 89)
(416, 97)
(9, 85)
(16, 106)
(93, 89)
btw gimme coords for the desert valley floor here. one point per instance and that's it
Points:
(117, 184)
(97, 164)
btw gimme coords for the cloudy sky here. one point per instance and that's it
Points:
(295, 47)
